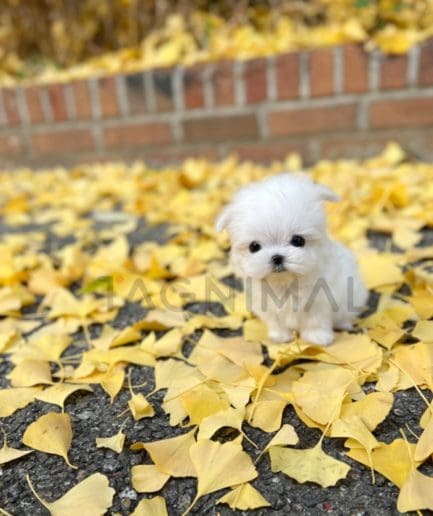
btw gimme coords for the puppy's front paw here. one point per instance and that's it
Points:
(318, 336)
(277, 335)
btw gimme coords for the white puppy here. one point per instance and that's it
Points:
(295, 276)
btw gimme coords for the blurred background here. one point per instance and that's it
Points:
(99, 79)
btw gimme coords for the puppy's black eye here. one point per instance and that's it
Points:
(298, 241)
(254, 247)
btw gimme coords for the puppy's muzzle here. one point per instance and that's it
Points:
(277, 262)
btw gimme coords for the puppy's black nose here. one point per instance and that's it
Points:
(277, 259)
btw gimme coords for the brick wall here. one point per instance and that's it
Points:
(339, 102)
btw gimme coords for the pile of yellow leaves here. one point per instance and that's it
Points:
(211, 381)
(81, 39)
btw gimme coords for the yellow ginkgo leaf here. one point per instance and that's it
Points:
(92, 496)
(30, 372)
(243, 498)
(202, 402)
(310, 465)
(219, 465)
(380, 270)
(232, 322)
(13, 399)
(58, 393)
(111, 338)
(151, 507)
(286, 436)
(147, 478)
(255, 330)
(386, 332)
(230, 417)
(8, 454)
(320, 393)
(372, 409)
(51, 433)
(48, 347)
(171, 456)
(162, 320)
(354, 428)
(115, 442)
(424, 446)
(424, 331)
(267, 414)
(416, 493)
(140, 407)
(113, 380)
(394, 461)
(168, 345)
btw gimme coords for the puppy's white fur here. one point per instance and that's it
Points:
(319, 287)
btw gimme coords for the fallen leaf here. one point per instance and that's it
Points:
(58, 393)
(115, 442)
(416, 493)
(29, 373)
(13, 399)
(243, 498)
(151, 507)
(140, 407)
(230, 417)
(147, 478)
(424, 331)
(201, 402)
(393, 460)
(92, 496)
(171, 456)
(267, 414)
(9, 454)
(51, 433)
(286, 436)
(219, 465)
(310, 465)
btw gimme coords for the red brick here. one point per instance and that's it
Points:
(83, 103)
(165, 156)
(221, 128)
(256, 89)
(193, 87)
(393, 72)
(321, 72)
(56, 142)
(355, 69)
(34, 104)
(287, 76)
(130, 135)
(56, 96)
(108, 97)
(163, 87)
(135, 91)
(312, 120)
(266, 152)
(352, 145)
(402, 113)
(10, 145)
(224, 84)
(426, 64)
(10, 103)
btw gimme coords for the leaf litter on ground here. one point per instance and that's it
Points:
(218, 375)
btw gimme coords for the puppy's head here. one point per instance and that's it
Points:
(277, 226)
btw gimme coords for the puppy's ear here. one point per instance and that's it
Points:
(326, 194)
(224, 218)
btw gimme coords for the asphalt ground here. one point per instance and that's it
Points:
(93, 416)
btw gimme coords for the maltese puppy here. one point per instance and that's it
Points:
(295, 276)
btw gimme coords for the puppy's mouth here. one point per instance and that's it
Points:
(279, 268)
